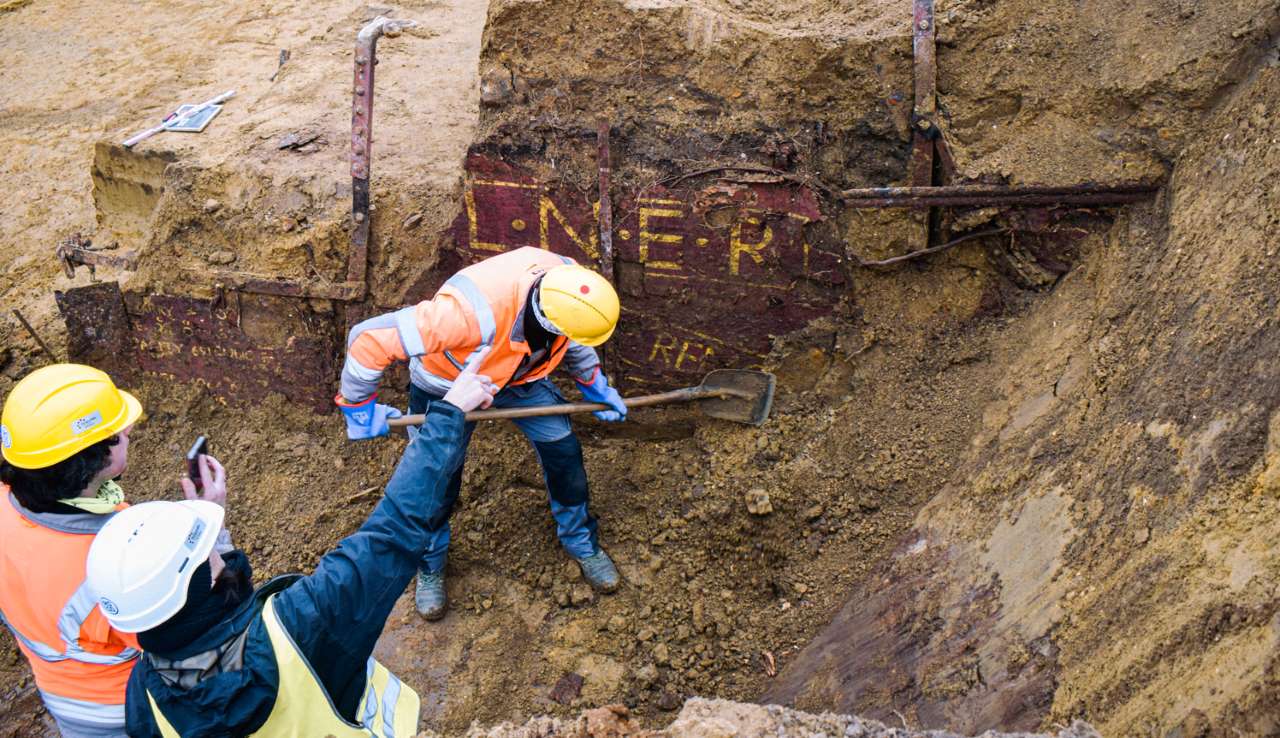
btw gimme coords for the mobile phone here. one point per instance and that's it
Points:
(201, 446)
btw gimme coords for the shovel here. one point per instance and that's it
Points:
(740, 395)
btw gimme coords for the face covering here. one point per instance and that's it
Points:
(546, 324)
(105, 501)
(208, 603)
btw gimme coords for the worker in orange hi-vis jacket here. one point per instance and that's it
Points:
(64, 434)
(532, 310)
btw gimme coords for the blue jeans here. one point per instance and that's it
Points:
(558, 452)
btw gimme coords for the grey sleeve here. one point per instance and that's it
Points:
(580, 360)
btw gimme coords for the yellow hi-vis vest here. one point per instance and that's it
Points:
(304, 709)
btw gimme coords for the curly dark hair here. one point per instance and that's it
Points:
(40, 489)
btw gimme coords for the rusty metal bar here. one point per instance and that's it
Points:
(43, 346)
(969, 190)
(1008, 195)
(1111, 198)
(343, 291)
(362, 143)
(604, 159)
(925, 73)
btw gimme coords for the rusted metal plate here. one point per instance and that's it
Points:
(707, 276)
(181, 339)
(97, 323)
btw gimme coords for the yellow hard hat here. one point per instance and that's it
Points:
(59, 410)
(580, 302)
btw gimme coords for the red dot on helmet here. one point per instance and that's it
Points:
(584, 289)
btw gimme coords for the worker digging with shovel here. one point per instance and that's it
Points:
(533, 310)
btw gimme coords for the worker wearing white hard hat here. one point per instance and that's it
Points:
(293, 657)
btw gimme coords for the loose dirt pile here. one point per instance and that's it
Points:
(702, 718)
(1049, 498)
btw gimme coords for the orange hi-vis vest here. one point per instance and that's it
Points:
(81, 664)
(481, 305)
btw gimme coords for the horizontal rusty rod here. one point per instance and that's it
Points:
(343, 291)
(965, 190)
(924, 201)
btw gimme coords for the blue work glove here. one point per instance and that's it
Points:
(366, 419)
(597, 389)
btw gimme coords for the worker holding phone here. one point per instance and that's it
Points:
(64, 434)
(294, 657)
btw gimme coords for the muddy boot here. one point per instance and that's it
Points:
(429, 595)
(599, 571)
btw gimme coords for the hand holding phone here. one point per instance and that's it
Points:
(198, 449)
(205, 479)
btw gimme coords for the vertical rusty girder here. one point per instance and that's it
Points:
(362, 138)
(604, 160)
(923, 110)
(925, 107)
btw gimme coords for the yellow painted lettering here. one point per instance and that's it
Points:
(649, 237)
(548, 210)
(659, 347)
(702, 350)
(738, 247)
(473, 225)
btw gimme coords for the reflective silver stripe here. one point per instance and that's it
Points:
(83, 711)
(74, 613)
(370, 697)
(407, 327)
(390, 696)
(70, 621)
(479, 304)
(360, 371)
(456, 364)
(425, 380)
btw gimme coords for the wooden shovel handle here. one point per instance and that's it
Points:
(681, 395)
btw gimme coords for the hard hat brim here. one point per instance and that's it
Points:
(132, 410)
(593, 341)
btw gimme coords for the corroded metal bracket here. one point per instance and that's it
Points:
(78, 251)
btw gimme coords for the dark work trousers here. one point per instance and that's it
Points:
(559, 453)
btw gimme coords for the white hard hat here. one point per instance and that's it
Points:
(142, 560)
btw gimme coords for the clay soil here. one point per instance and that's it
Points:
(1003, 491)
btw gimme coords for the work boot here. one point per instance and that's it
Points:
(599, 571)
(429, 595)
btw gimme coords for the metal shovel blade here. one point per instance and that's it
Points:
(746, 395)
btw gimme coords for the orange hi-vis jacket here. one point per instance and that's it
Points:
(81, 664)
(481, 305)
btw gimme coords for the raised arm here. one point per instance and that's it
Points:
(336, 614)
(438, 324)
